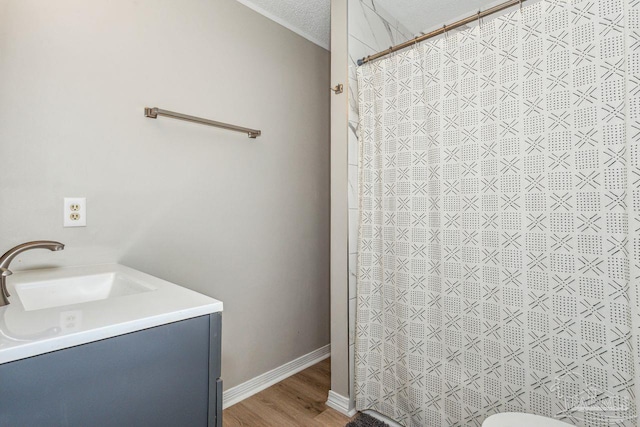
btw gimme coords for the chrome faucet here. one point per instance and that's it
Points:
(8, 256)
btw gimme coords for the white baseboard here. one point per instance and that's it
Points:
(259, 383)
(340, 403)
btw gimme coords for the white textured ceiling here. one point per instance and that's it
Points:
(309, 18)
(312, 18)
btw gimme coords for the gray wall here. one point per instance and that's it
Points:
(245, 221)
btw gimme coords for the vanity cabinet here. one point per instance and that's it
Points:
(166, 375)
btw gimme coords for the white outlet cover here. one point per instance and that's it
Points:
(82, 211)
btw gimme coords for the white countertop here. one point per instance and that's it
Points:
(26, 333)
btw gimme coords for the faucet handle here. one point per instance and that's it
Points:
(4, 272)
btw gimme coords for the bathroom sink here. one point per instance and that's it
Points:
(43, 294)
(56, 308)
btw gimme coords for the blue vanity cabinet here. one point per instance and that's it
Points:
(167, 375)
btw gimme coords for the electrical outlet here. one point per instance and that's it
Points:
(75, 212)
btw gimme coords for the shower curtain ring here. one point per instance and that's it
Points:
(415, 40)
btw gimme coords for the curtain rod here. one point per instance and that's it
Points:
(154, 112)
(444, 29)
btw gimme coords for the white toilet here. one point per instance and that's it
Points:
(517, 419)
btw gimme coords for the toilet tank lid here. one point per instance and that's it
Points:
(517, 419)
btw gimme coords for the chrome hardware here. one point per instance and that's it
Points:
(154, 112)
(8, 256)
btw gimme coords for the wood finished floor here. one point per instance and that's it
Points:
(297, 401)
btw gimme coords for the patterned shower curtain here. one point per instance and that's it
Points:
(498, 243)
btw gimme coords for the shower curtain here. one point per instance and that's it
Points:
(499, 196)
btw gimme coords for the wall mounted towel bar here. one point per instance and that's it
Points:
(154, 112)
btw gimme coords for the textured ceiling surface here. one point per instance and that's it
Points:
(312, 18)
(309, 18)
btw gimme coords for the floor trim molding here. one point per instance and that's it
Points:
(259, 383)
(340, 403)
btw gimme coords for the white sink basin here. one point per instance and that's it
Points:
(42, 294)
(56, 308)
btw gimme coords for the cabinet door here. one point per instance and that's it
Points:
(155, 377)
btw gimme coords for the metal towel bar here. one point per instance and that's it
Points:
(154, 112)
